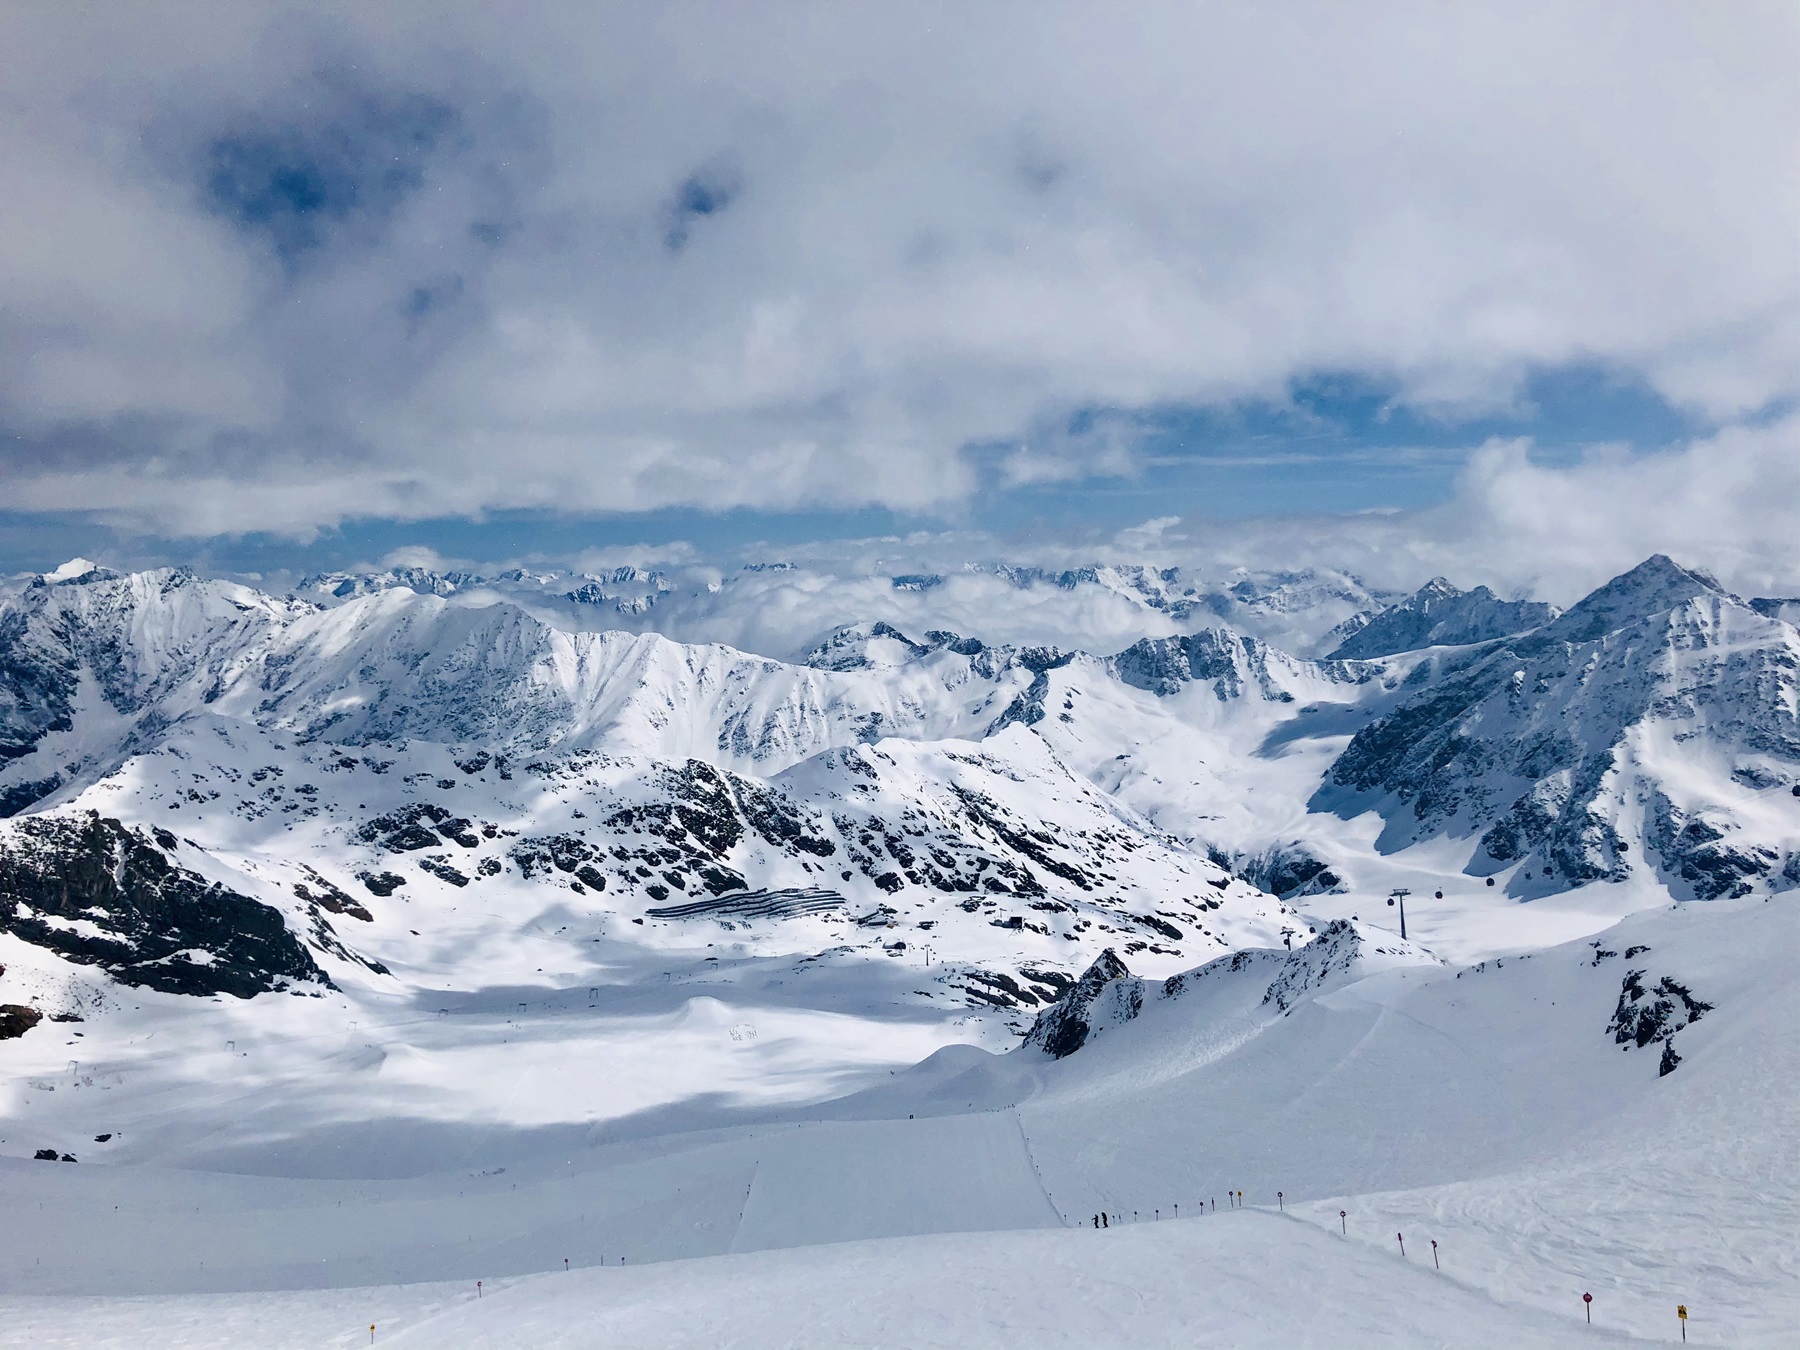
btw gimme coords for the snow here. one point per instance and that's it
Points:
(1249, 1280)
(1482, 1106)
(817, 1131)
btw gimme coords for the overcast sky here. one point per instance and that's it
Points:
(293, 285)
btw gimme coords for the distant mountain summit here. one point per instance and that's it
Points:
(1655, 724)
(1440, 615)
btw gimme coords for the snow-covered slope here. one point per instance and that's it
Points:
(1655, 725)
(1530, 1116)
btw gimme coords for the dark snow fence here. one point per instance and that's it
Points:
(778, 904)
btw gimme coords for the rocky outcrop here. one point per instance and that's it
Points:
(16, 1019)
(1329, 958)
(1699, 854)
(1651, 1014)
(1063, 1028)
(1288, 871)
(97, 893)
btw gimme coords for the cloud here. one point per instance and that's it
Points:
(1725, 503)
(268, 272)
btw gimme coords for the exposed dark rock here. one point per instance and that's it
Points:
(1021, 838)
(999, 990)
(1058, 983)
(15, 797)
(16, 1019)
(1331, 953)
(1518, 740)
(777, 820)
(381, 883)
(568, 853)
(1646, 1014)
(1162, 926)
(443, 871)
(457, 830)
(1063, 1028)
(1695, 849)
(1027, 709)
(326, 896)
(403, 830)
(152, 916)
(1288, 870)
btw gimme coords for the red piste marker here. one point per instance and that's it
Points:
(1280, 1203)
(1587, 1301)
(1341, 1229)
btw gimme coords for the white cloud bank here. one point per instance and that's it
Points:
(595, 257)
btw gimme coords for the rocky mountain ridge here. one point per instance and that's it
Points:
(1016, 808)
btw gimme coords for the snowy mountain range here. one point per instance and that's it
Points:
(1150, 798)
(382, 892)
(783, 609)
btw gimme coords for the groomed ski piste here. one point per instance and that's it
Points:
(1511, 1121)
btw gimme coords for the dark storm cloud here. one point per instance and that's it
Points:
(275, 268)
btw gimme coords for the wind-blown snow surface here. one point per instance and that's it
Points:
(412, 939)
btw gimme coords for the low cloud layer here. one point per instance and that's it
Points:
(272, 268)
(1726, 504)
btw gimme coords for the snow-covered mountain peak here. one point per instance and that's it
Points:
(1655, 586)
(1656, 724)
(865, 646)
(73, 570)
(1438, 614)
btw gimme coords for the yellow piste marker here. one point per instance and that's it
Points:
(1681, 1312)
